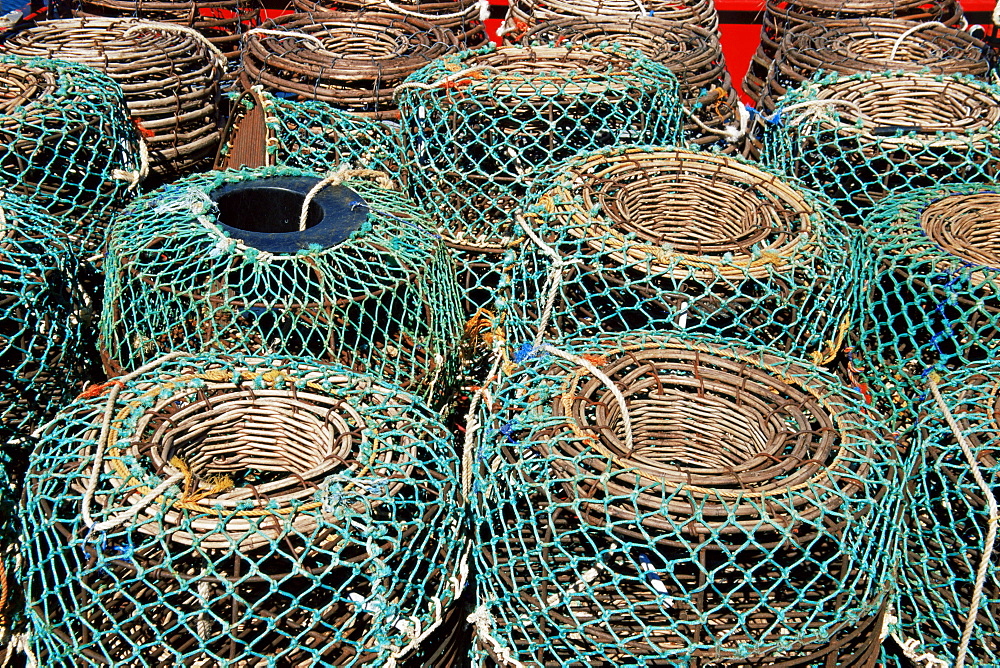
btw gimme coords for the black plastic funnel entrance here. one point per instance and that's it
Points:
(264, 213)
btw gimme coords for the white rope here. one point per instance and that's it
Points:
(430, 17)
(343, 173)
(991, 531)
(552, 282)
(471, 426)
(909, 647)
(730, 133)
(137, 507)
(204, 588)
(597, 373)
(220, 58)
(813, 103)
(286, 33)
(910, 31)
(996, 14)
(135, 177)
(443, 80)
(481, 619)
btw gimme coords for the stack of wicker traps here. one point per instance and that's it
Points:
(265, 130)
(948, 519)
(169, 74)
(244, 513)
(221, 261)
(462, 18)
(693, 54)
(931, 262)
(67, 143)
(860, 137)
(221, 21)
(351, 61)
(651, 501)
(476, 125)
(781, 17)
(665, 239)
(524, 14)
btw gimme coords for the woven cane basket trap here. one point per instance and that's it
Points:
(476, 125)
(643, 500)
(67, 143)
(351, 61)
(219, 262)
(648, 238)
(860, 137)
(526, 14)
(169, 74)
(711, 106)
(244, 513)
(931, 263)
(782, 17)
(950, 555)
(463, 18)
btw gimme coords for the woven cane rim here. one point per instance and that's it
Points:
(699, 12)
(446, 14)
(20, 85)
(966, 226)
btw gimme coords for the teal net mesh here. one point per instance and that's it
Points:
(266, 512)
(643, 500)
(649, 238)
(11, 602)
(41, 329)
(67, 143)
(930, 268)
(948, 519)
(218, 262)
(861, 137)
(475, 125)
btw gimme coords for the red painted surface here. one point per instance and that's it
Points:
(739, 42)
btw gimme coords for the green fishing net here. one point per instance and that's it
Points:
(649, 238)
(861, 137)
(645, 500)
(244, 512)
(67, 143)
(219, 262)
(475, 125)
(11, 602)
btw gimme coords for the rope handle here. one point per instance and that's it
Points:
(286, 33)
(909, 32)
(336, 179)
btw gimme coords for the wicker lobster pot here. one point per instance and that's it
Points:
(169, 74)
(654, 501)
(781, 17)
(242, 510)
(861, 137)
(947, 523)
(476, 125)
(663, 239)
(219, 262)
(11, 599)
(67, 143)
(463, 18)
(691, 52)
(527, 14)
(351, 61)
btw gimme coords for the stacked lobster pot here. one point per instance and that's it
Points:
(169, 74)
(462, 18)
(526, 14)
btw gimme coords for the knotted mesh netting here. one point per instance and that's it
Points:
(264, 512)
(930, 268)
(40, 320)
(949, 553)
(227, 261)
(648, 238)
(67, 143)
(11, 600)
(860, 137)
(642, 500)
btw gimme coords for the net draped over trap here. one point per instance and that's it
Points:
(169, 75)
(647, 500)
(218, 262)
(268, 512)
(475, 126)
(930, 262)
(647, 238)
(67, 143)
(947, 521)
(40, 320)
(711, 106)
(860, 137)
(351, 61)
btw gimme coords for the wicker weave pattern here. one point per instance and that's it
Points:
(460, 17)
(528, 13)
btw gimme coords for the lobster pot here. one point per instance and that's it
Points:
(462, 18)
(67, 144)
(780, 18)
(170, 77)
(353, 62)
(931, 262)
(220, 262)
(861, 137)
(477, 124)
(644, 500)
(265, 130)
(244, 511)
(711, 106)
(40, 326)
(221, 21)
(526, 14)
(649, 238)
(947, 523)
